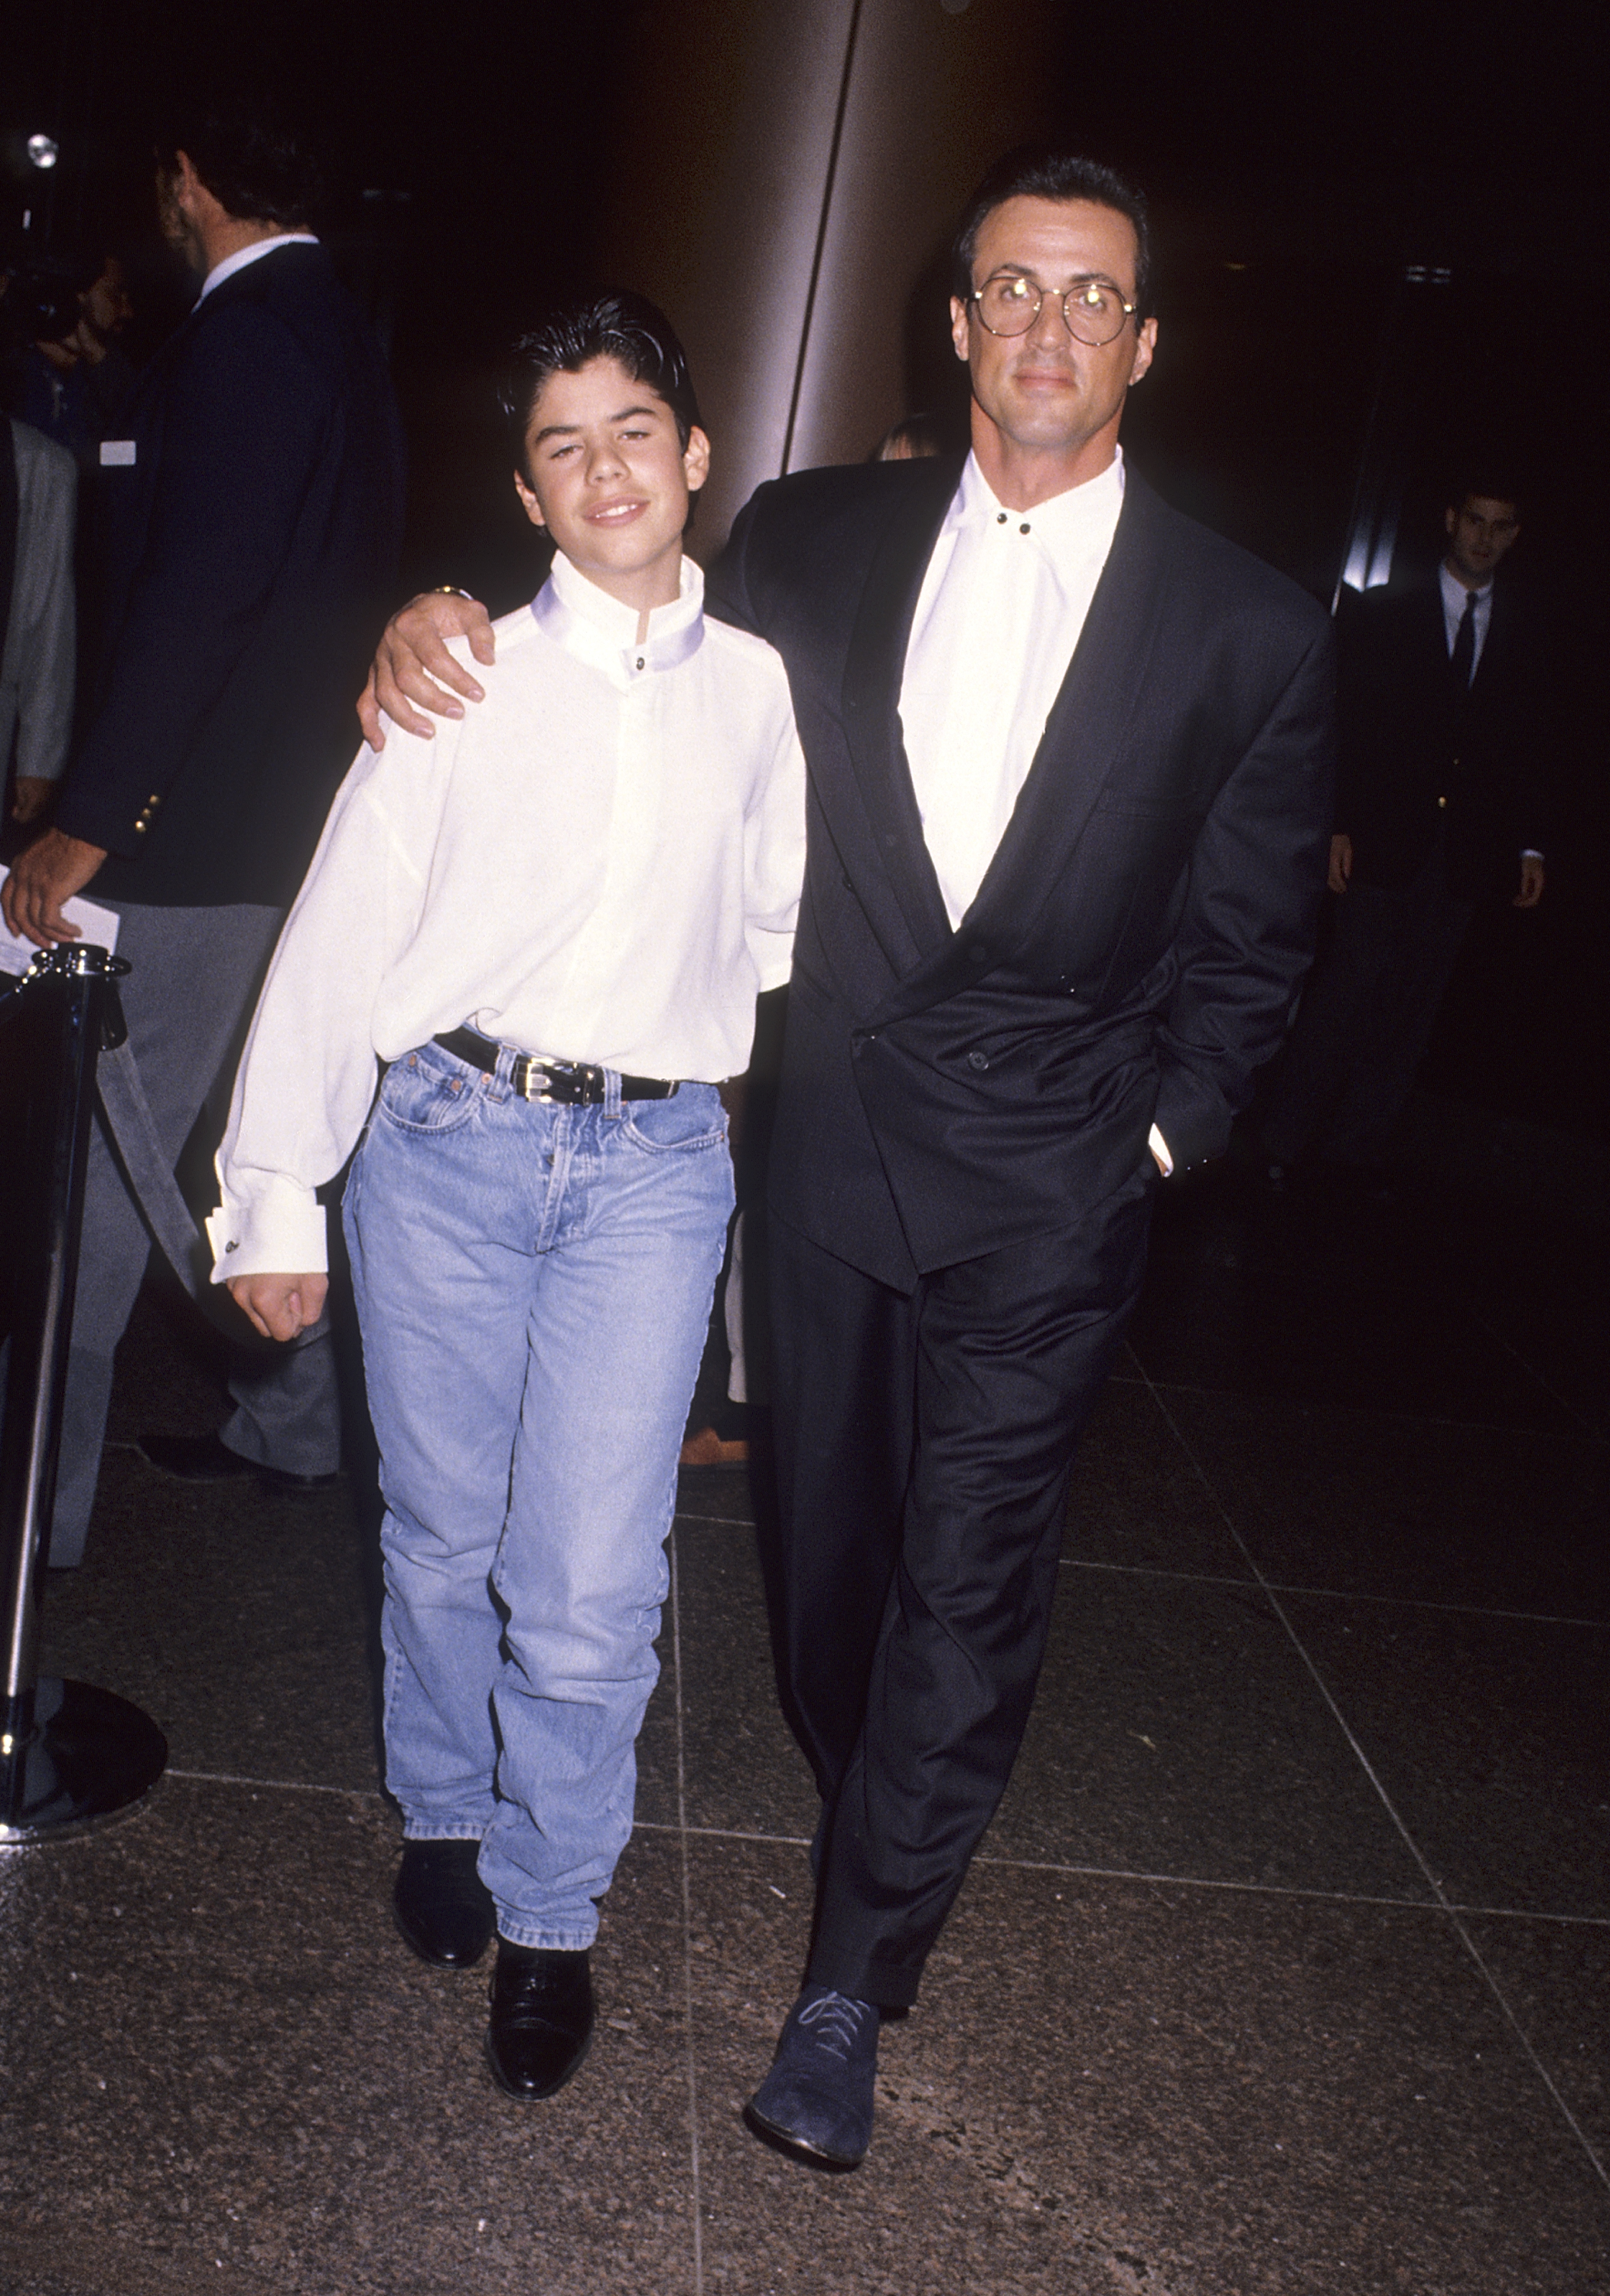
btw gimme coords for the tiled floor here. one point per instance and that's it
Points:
(1285, 1966)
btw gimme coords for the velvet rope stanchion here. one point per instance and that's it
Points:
(70, 1754)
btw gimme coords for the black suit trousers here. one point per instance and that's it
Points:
(924, 1444)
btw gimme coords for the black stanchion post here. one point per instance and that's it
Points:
(70, 1754)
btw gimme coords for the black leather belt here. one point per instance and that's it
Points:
(574, 1084)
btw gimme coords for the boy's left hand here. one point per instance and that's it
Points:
(280, 1307)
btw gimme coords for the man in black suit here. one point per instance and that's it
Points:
(1438, 807)
(1070, 761)
(251, 521)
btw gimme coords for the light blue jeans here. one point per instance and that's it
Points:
(533, 1284)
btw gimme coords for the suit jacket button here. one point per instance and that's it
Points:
(979, 1061)
(1441, 800)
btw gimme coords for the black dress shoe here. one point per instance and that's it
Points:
(208, 1459)
(443, 1907)
(541, 2019)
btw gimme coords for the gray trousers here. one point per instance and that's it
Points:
(1365, 1020)
(195, 976)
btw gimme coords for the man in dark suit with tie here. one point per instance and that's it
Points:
(1070, 761)
(251, 520)
(1438, 806)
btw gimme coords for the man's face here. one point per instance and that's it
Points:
(1043, 392)
(1479, 533)
(609, 479)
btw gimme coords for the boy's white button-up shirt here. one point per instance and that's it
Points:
(600, 862)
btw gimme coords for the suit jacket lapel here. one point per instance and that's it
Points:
(873, 670)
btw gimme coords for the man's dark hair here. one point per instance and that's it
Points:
(1041, 171)
(1490, 485)
(252, 154)
(615, 324)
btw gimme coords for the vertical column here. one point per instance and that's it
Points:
(934, 94)
(783, 180)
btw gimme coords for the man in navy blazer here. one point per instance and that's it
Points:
(251, 519)
(1070, 761)
(1439, 806)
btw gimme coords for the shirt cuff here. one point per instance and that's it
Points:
(774, 959)
(1159, 1148)
(277, 1229)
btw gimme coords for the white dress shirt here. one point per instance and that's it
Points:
(999, 612)
(255, 253)
(1001, 607)
(600, 862)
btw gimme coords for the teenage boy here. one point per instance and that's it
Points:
(550, 927)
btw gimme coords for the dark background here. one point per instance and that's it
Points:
(1299, 162)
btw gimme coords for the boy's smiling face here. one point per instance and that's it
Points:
(607, 475)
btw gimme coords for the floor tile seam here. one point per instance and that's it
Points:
(1576, 1433)
(695, 2196)
(1171, 1881)
(1317, 1679)
(1601, 2166)
(1445, 1910)
(724, 1833)
(727, 1522)
(274, 1785)
(1387, 1804)
(1501, 1339)
(1332, 1594)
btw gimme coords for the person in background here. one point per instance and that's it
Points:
(38, 492)
(1439, 807)
(913, 437)
(249, 523)
(76, 373)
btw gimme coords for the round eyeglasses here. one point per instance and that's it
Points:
(1093, 311)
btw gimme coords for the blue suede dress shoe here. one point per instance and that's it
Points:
(817, 2099)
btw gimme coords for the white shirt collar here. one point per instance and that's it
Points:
(598, 629)
(255, 253)
(1069, 524)
(1454, 592)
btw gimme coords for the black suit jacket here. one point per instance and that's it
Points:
(1417, 758)
(245, 558)
(1132, 951)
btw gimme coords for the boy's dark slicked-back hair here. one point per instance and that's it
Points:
(1044, 171)
(615, 324)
